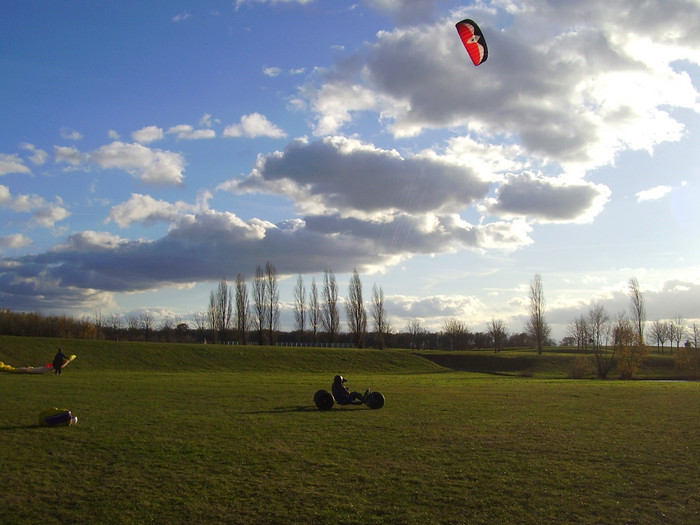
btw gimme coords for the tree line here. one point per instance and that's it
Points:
(245, 316)
(244, 313)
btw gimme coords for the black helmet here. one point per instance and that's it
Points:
(339, 379)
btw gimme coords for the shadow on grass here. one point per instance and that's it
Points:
(307, 408)
(21, 427)
(282, 410)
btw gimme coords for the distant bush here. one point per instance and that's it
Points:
(630, 358)
(688, 361)
(581, 366)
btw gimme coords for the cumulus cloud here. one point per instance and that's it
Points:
(579, 94)
(547, 199)
(270, 71)
(654, 193)
(181, 17)
(70, 134)
(150, 166)
(38, 156)
(348, 177)
(206, 121)
(145, 209)
(523, 131)
(187, 132)
(12, 163)
(431, 311)
(147, 134)
(15, 241)
(406, 11)
(254, 125)
(44, 214)
(69, 155)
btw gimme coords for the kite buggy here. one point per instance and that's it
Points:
(325, 400)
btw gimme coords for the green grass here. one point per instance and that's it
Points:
(194, 434)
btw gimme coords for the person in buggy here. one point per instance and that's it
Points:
(343, 396)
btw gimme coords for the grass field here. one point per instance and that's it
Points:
(205, 434)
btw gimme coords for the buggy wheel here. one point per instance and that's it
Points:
(324, 400)
(375, 401)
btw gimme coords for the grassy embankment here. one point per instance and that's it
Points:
(205, 434)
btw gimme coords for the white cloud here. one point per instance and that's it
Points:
(653, 194)
(404, 10)
(148, 134)
(48, 215)
(206, 120)
(254, 125)
(68, 155)
(71, 134)
(548, 199)
(38, 157)
(353, 179)
(580, 95)
(146, 209)
(11, 163)
(181, 17)
(44, 214)
(151, 166)
(15, 241)
(187, 132)
(272, 71)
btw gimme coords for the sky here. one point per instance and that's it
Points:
(150, 149)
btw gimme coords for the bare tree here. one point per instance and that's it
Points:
(167, 325)
(132, 323)
(537, 326)
(382, 327)
(242, 310)
(146, 324)
(499, 334)
(416, 334)
(457, 332)
(201, 323)
(272, 300)
(599, 332)
(356, 312)
(629, 353)
(220, 311)
(115, 326)
(639, 316)
(100, 323)
(678, 330)
(300, 307)
(578, 330)
(314, 311)
(260, 303)
(695, 333)
(660, 332)
(330, 318)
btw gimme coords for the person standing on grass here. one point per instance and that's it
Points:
(58, 362)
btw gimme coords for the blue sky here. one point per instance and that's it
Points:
(148, 149)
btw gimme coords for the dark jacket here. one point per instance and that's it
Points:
(58, 360)
(340, 391)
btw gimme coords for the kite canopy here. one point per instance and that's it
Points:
(473, 40)
(32, 369)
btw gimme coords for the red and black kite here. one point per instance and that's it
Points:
(473, 40)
